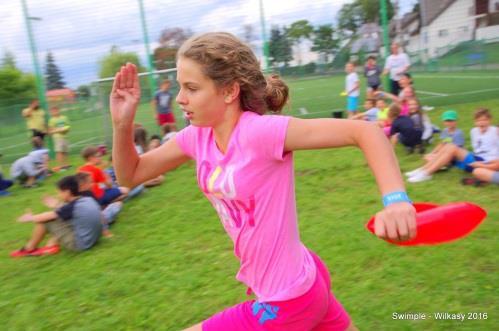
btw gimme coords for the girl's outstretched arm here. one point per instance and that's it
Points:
(131, 169)
(397, 221)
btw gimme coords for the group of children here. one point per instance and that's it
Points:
(89, 201)
(404, 121)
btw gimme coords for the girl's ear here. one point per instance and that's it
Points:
(231, 92)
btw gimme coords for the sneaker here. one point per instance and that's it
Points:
(24, 252)
(419, 177)
(427, 108)
(48, 250)
(413, 172)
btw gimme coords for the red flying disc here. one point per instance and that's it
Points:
(440, 224)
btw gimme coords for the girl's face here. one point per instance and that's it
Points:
(413, 106)
(380, 104)
(199, 98)
(404, 81)
(482, 122)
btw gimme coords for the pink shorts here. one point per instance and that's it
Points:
(316, 310)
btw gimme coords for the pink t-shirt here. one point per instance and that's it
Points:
(252, 189)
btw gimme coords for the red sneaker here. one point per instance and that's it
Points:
(24, 252)
(48, 250)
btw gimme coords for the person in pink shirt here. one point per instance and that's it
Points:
(244, 162)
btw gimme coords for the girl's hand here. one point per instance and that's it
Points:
(125, 95)
(396, 222)
(476, 164)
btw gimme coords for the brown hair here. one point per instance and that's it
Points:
(89, 151)
(393, 111)
(82, 177)
(482, 112)
(140, 138)
(225, 60)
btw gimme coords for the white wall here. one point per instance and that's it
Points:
(453, 26)
(490, 32)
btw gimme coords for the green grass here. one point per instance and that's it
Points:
(460, 57)
(170, 264)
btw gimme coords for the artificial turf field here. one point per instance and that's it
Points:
(170, 264)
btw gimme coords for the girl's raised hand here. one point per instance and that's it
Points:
(125, 96)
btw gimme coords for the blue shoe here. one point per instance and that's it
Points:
(4, 193)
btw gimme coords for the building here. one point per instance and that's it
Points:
(60, 97)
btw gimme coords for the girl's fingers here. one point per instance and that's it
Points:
(379, 228)
(116, 82)
(123, 78)
(131, 75)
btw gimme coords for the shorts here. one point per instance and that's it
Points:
(109, 195)
(316, 310)
(465, 164)
(61, 145)
(165, 118)
(63, 231)
(36, 133)
(373, 87)
(352, 103)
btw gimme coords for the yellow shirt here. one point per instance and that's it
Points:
(383, 114)
(59, 122)
(36, 120)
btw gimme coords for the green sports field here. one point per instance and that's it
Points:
(170, 264)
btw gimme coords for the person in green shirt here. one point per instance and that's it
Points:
(35, 119)
(58, 128)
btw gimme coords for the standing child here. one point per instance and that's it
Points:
(35, 119)
(244, 163)
(352, 87)
(163, 104)
(76, 225)
(102, 189)
(58, 128)
(372, 72)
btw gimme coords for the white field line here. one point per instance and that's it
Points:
(455, 77)
(432, 93)
(303, 111)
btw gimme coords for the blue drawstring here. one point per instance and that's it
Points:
(269, 312)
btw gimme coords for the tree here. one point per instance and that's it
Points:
(279, 47)
(8, 60)
(352, 15)
(53, 75)
(16, 86)
(170, 41)
(112, 62)
(324, 42)
(297, 32)
(83, 91)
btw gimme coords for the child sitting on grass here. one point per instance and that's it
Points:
(485, 142)
(109, 213)
(403, 129)
(371, 113)
(32, 167)
(450, 135)
(102, 189)
(76, 225)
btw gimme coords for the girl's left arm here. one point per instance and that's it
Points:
(398, 220)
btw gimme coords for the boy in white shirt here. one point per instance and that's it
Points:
(485, 142)
(352, 86)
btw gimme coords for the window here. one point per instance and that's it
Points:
(463, 29)
(443, 33)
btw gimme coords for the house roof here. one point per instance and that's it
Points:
(60, 92)
(431, 9)
(369, 38)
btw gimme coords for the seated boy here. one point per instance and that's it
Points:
(30, 168)
(485, 142)
(102, 187)
(451, 134)
(76, 225)
(371, 112)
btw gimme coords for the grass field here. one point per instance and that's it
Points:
(316, 97)
(171, 265)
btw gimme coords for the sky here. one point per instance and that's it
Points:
(81, 32)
